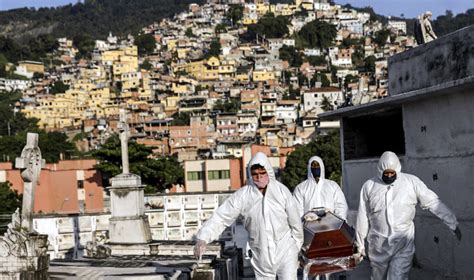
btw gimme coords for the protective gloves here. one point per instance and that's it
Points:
(358, 255)
(311, 216)
(315, 214)
(458, 233)
(199, 248)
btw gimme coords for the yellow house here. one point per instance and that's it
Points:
(242, 77)
(283, 9)
(180, 88)
(263, 8)
(32, 66)
(108, 57)
(263, 75)
(201, 70)
(249, 21)
(130, 80)
(171, 103)
(123, 60)
(67, 109)
(307, 5)
(171, 44)
(183, 52)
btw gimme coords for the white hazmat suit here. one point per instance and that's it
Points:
(325, 193)
(274, 227)
(385, 218)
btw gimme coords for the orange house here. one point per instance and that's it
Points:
(70, 186)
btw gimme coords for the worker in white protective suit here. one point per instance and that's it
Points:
(274, 227)
(385, 218)
(317, 191)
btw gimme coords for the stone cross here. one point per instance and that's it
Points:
(124, 134)
(30, 164)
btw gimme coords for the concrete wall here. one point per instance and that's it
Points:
(439, 133)
(442, 155)
(446, 59)
(439, 136)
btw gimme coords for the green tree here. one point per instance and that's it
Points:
(235, 13)
(146, 43)
(318, 34)
(214, 49)
(326, 104)
(350, 79)
(181, 119)
(325, 146)
(146, 65)
(11, 123)
(291, 55)
(268, 26)
(381, 37)
(358, 55)
(85, 44)
(231, 105)
(157, 173)
(321, 77)
(369, 63)
(10, 198)
(316, 60)
(189, 32)
(220, 28)
(58, 87)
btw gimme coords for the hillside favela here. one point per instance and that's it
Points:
(232, 139)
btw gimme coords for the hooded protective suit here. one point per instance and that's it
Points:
(385, 218)
(325, 193)
(274, 227)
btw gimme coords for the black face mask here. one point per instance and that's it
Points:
(316, 172)
(388, 180)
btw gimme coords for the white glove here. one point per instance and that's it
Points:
(311, 216)
(199, 248)
(358, 257)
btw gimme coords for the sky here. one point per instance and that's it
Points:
(409, 8)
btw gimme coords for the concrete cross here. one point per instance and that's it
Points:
(30, 164)
(124, 134)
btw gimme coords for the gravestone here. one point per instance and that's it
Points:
(23, 252)
(128, 224)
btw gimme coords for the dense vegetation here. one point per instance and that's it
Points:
(267, 27)
(92, 17)
(157, 174)
(10, 199)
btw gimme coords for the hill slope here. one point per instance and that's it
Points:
(93, 17)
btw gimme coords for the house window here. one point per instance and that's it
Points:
(218, 174)
(80, 184)
(195, 175)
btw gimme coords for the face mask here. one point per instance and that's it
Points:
(389, 180)
(262, 182)
(316, 172)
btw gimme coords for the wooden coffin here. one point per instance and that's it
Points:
(330, 242)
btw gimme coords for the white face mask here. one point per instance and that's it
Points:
(262, 181)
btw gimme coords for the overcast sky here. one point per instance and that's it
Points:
(410, 8)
